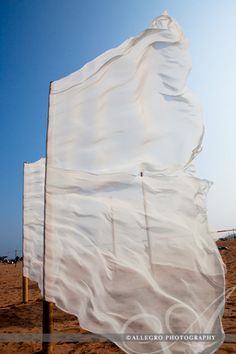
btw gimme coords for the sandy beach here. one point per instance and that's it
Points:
(17, 317)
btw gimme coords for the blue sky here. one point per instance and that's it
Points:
(44, 40)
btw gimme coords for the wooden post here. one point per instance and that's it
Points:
(25, 289)
(47, 306)
(25, 280)
(47, 326)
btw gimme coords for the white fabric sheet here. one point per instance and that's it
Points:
(133, 254)
(33, 204)
(128, 253)
(129, 108)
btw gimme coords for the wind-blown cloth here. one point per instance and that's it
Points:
(127, 246)
(129, 108)
(33, 220)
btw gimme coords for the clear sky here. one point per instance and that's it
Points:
(44, 40)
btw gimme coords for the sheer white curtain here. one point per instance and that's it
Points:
(33, 216)
(127, 243)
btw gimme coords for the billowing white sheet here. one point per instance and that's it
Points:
(127, 243)
(33, 216)
(129, 108)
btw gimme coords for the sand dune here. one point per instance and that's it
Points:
(27, 318)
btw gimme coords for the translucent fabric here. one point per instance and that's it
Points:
(129, 109)
(127, 246)
(132, 254)
(33, 211)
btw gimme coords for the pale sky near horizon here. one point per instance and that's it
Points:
(44, 40)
